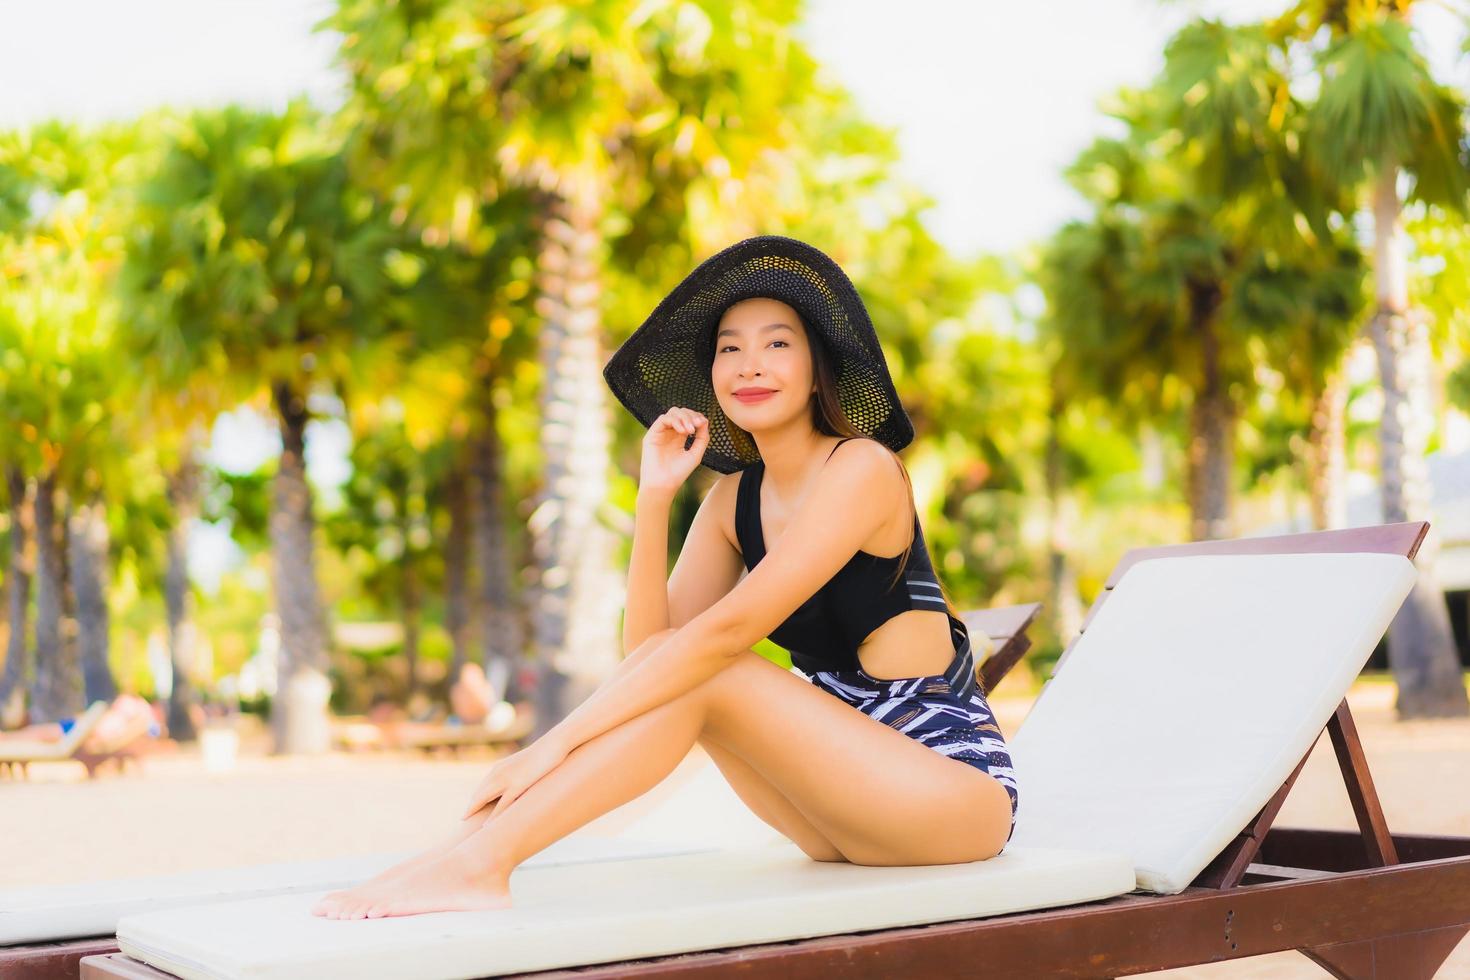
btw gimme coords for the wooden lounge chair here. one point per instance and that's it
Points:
(124, 748)
(1006, 628)
(357, 733)
(1157, 678)
(510, 731)
(17, 754)
(45, 933)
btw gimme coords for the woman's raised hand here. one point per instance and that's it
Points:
(666, 463)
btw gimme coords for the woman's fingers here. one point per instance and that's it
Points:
(483, 794)
(692, 421)
(685, 421)
(480, 802)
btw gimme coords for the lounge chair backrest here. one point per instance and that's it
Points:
(1191, 697)
(85, 723)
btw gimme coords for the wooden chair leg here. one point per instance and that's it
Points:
(1417, 956)
(1360, 789)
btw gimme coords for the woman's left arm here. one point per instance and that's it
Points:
(852, 495)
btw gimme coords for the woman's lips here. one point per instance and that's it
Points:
(755, 396)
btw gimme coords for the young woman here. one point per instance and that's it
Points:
(816, 508)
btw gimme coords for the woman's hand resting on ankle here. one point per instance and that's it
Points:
(508, 778)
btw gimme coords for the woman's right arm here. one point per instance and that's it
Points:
(672, 448)
(647, 609)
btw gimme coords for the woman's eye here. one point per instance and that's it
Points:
(732, 346)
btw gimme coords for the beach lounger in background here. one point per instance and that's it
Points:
(357, 732)
(511, 733)
(1151, 767)
(16, 754)
(124, 748)
(1005, 627)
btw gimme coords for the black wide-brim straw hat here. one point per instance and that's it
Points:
(667, 360)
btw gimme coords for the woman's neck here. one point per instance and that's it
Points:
(791, 456)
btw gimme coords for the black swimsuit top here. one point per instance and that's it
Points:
(824, 632)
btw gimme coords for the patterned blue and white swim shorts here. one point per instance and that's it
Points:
(947, 712)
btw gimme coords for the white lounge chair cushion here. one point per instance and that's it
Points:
(51, 912)
(1197, 688)
(614, 910)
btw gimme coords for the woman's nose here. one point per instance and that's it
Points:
(751, 367)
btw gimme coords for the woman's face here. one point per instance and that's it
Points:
(760, 344)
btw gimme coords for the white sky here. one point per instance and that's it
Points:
(990, 99)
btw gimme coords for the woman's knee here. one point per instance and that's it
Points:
(728, 690)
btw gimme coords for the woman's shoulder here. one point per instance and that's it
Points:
(883, 474)
(849, 445)
(877, 459)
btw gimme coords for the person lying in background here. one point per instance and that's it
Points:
(473, 699)
(125, 711)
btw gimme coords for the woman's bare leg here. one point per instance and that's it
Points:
(457, 836)
(753, 790)
(599, 775)
(477, 820)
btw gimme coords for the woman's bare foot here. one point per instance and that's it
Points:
(331, 900)
(457, 881)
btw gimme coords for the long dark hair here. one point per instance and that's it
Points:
(829, 419)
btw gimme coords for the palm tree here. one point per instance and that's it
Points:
(1212, 226)
(589, 106)
(255, 256)
(1381, 115)
(58, 398)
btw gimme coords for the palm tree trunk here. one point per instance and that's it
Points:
(87, 541)
(183, 496)
(497, 606)
(18, 670)
(298, 715)
(456, 570)
(1325, 459)
(1066, 601)
(1212, 441)
(411, 602)
(57, 692)
(17, 594)
(1421, 646)
(574, 619)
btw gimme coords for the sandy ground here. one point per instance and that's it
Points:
(175, 816)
